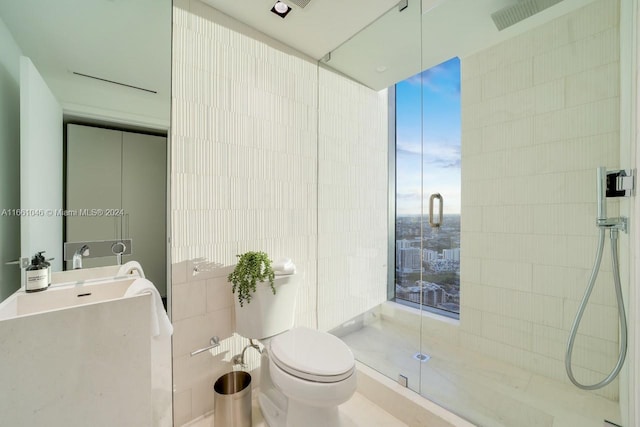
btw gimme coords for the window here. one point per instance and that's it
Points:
(427, 161)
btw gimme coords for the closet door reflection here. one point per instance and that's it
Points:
(122, 174)
(94, 181)
(144, 166)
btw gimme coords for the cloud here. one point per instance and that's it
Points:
(443, 78)
(442, 155)
(408, 196)
(437, 153)
(409, 147)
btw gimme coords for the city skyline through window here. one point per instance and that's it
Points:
(427, 261)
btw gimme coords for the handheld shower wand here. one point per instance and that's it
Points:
(601, 193)
(603, 223)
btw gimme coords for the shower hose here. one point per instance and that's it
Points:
(621, 314)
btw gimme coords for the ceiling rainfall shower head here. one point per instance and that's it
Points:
(300, 3)
(510, 15)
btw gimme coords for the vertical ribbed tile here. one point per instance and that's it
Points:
(244, 172)
(352, 198)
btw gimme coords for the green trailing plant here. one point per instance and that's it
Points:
(252, 267)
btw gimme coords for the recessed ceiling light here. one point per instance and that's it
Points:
(381, 68)
(281, 9)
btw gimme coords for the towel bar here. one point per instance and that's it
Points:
(215, 342)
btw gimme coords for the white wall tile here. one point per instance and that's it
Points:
(352, 197)
(547, 117)
(218, 294)
(188, 300)
(507, 274)
(509, 78)
(593, 84)
(550, 96)
(182, 406)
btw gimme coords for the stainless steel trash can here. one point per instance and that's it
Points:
(232, 404)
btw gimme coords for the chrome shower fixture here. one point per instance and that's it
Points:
(615, 183)
(618, 183)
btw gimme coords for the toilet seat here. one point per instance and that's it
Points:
(312, 355)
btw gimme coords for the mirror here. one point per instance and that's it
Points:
(106, 63)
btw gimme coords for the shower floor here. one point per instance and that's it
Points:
(485, 391)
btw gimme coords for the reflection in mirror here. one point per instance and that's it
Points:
(105, 64)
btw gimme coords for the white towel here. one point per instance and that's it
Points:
(160, 324)
(284, 266)
(129, 268)
(286, 271)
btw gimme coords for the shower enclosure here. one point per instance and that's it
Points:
(478, 321)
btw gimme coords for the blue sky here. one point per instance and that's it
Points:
(435, 142)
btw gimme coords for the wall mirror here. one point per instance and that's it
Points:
(102, 63)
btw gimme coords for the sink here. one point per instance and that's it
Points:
(84, 274)
(76, 351)
(63, 296)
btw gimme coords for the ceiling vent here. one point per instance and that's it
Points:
(300, 3)
(113, 82)
(510, 15)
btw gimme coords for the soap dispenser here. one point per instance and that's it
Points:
(44, 261)
(36, 276)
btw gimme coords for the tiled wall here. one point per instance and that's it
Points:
(352, 199)
(539, 113)
(244, 156)
(244, 169)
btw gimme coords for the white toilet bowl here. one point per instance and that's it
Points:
(315, 371)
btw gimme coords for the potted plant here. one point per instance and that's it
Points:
(252, 267)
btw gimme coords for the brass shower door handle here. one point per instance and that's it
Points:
(432, 223)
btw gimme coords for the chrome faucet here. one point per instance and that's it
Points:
(77, 256)
(238, 359)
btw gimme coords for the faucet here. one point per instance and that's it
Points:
(118, 249)
(238, 359)
(77, 256)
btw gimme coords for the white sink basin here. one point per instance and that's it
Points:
(84, 274)
(58, 297)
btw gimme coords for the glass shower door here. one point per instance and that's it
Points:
(440, 89)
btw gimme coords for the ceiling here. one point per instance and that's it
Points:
(378, 45)
(126, 41)
(314, 30)
(129, 41)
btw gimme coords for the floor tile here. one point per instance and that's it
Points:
(485, 391)
(357, 412)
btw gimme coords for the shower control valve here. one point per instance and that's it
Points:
(621, 183)
(613, 223)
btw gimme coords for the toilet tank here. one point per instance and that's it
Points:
(268, 314)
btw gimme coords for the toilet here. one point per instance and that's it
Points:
(305, 374)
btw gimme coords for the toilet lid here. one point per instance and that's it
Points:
(312, 355)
